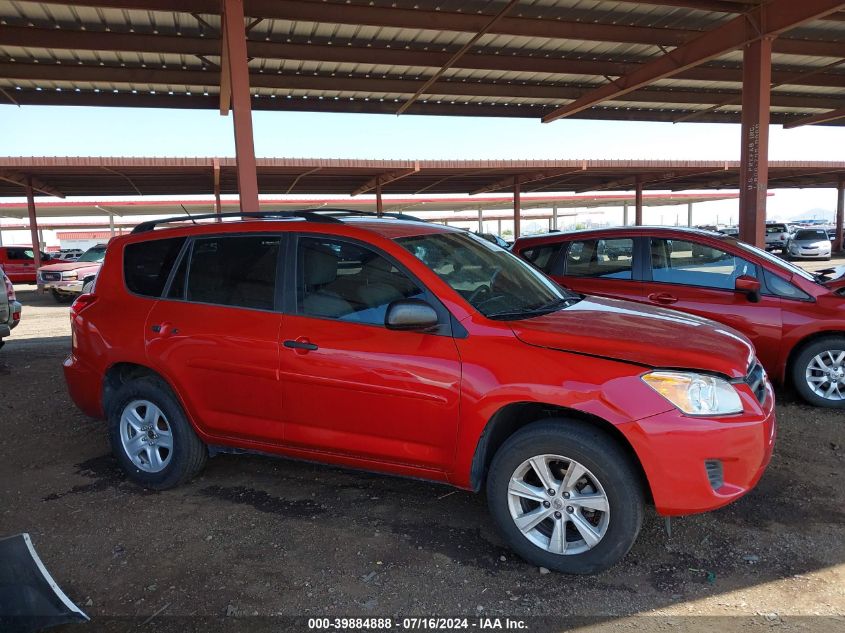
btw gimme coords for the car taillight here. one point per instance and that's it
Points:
(10, 290)
(783, 238)
(80, 303)
(16, 316)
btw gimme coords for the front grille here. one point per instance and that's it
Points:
(48, 276)
(756, 379)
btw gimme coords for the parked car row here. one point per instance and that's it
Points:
(795, 319)
(421, 350)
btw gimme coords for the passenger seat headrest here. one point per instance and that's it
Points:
(320, 267)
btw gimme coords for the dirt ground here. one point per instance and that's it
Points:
(256, 536)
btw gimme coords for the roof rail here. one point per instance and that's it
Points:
(339, 213)
(308, 216)
(327, 215)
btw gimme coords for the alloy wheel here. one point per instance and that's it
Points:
(825, 374)
(558, 504)
(146, 436)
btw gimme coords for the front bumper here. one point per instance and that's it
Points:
(806, 253)
(674, 450)
(70, 286)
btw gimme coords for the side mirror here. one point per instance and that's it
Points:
(750, 286)
(410, 314)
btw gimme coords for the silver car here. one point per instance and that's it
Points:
(10, 310)
(808, 244)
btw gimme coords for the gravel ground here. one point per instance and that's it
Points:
(259, 536)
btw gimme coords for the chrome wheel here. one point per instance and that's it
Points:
(146, 436)
(558, 504)
(825, 374)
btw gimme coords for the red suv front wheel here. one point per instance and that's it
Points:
(565, 496)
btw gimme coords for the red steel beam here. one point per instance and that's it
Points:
(840, 216)
(638, 203)
(215, 168)
(457, 55)
(754, 160)
(235, 37)
(524, 179)
(767, 20)
(517, 208)
(33, 221)
(24, 181)
(774, 96)
(824, 117)
(127, 76)
(383, 179)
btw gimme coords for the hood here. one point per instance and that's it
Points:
(65, 266)
(644, 335)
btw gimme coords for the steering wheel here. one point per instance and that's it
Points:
(482, 291)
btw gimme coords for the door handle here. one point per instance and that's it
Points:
(662, 297)
(301, 345)
(164, 329)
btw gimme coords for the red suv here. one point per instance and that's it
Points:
(417, 350)
(795, 319)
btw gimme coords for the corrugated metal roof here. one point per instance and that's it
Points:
(301, 49)
(128, 176)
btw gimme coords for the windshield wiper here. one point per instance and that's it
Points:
(553, 306)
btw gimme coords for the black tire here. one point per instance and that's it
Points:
(87, 286)
(604, 458)
(189, 453)
(2, 343)
(799, 367)
(62, 297)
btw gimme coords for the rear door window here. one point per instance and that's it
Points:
(606, 259)
(147, 265)
(542, 256)
(692, 264)
(237, 270)
(25, 254)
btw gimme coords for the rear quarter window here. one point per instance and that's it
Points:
(147, 265)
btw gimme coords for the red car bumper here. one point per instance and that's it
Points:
(676, 450)
(85, 386)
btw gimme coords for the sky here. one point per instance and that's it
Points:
(87, 131)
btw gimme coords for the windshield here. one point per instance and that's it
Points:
(777, 261)
(95, 254)
(491, 279)
(811, 234)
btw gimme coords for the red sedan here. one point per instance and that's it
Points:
(795, 319)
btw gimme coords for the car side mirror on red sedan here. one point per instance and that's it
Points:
(411, 314)
(750, 286)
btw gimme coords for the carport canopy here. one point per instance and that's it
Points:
(661, 60)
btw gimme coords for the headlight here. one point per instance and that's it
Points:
(69, 275)
(696, 394)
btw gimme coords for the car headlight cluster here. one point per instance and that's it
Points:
(70, 274)
(696, 394)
